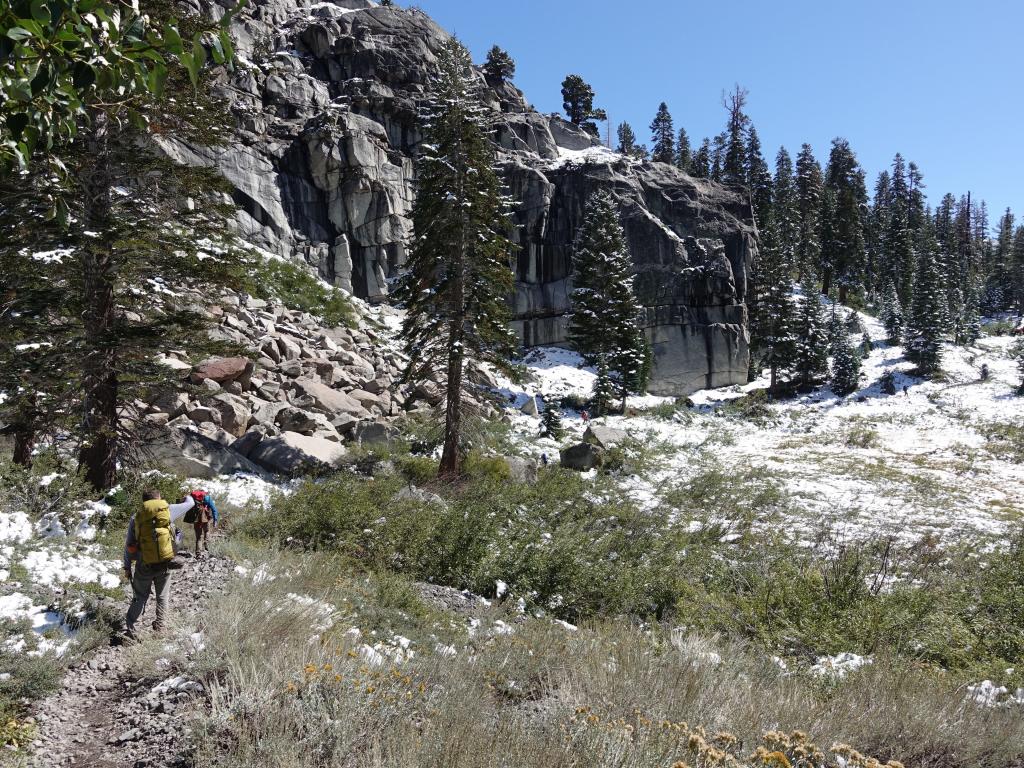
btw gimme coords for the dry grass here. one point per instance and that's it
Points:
(288, 691)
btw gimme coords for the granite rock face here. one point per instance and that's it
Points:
(326, 103)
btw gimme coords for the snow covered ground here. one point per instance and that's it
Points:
(912, 464)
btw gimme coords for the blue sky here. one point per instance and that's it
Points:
(939, 81)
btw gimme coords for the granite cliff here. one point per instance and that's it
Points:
(325, 102)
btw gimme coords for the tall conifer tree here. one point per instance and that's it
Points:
(843, 248)
(684, 155)
(605, 321)
(663, 147)
(458, 270)
(927, 320)
(809, 193)
(759, 178)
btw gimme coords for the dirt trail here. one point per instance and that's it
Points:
(103, 718)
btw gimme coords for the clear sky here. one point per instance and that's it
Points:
(941, 81)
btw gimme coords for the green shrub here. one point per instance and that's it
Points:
(297, 288)
(861, 435)
(418, 470)
(487, 468)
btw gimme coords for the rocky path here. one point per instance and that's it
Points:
(103, 718)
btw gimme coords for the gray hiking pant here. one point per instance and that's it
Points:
(148, 577)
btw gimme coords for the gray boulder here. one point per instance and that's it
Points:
(234, 413)
(293, 454)
(603, 437)
(375, 433)
(192, 454)
(330, 401)
(582, 457)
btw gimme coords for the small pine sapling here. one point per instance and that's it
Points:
(551, 423)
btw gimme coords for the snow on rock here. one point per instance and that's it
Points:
(85, 521)
(321, 611)
(988, 694)
(840, 665)
(598, 154)
(15, 527)
(17, 607)
(178, 683)
(54, 566)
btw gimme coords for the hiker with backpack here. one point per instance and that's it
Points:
(201, 516)
(149, 547)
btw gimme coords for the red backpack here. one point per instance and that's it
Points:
(200, 513)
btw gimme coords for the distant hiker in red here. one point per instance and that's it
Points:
(585, 416)
(201, 516)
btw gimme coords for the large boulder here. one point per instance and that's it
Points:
(223, 370)
(375, 433)
(293, 454)
(234, 413)
(330, 401)
(603, 437)
(582, 457)
(190, 453)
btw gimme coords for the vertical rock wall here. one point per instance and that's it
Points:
(326, 106)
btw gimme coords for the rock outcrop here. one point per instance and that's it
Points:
(326, 101)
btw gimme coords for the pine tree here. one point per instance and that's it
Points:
(892, 313)
(810, 354)
(1017, 353)
(927, 320)
(604, 389)
(758, 178)
(866, 345)
(684, 156)
(786, 209)
(773, 320)
(627, 139)
(458, 268)
(734, 162)
(1017, 270)
(718, 147)
(604, 325)
(578, 102)
(875, 234)
(103, 90)
(551, 422)
(967, 326)
(663, 147)
(500, 67)
(701, 165)
(809, 194)
(843, 251)
(845, 366)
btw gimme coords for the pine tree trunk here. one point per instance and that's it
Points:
(24, 429)
(450, 455)
(24, 443)
(98, 454)
(450, 458)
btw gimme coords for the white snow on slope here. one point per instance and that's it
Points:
(911, 464)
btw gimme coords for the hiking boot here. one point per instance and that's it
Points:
(127, 637)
